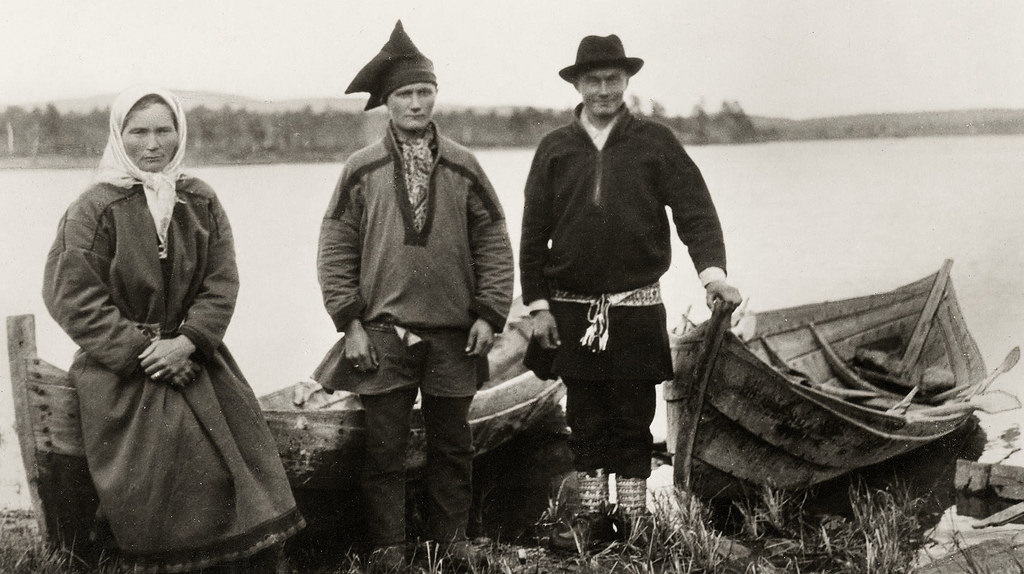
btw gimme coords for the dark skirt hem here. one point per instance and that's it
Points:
(238, 547)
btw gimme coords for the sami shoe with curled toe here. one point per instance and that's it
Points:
(586, 532)
(464, 555)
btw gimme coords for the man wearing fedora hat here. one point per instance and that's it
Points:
(416, 271)
(595, 241)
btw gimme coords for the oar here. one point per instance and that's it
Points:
(704, 367)
(969, 391)
(780, 364)
(844, 373)
(991, 403)
(1008, 363)
(902, 406)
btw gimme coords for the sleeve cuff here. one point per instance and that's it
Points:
(711, 274)
(538, 305)
(203, 345)
(133, 364)
(496, 320)
(344, 315)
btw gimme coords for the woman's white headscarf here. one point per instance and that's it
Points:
(117, 168)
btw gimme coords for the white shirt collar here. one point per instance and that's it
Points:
(598, 135)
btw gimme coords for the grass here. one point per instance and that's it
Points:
(770, 534)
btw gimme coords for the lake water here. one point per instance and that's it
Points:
(803, 221)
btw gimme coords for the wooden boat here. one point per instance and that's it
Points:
(778, 408)
(319, 435)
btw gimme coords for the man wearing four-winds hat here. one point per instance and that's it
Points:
(595, 241)
(416, 271)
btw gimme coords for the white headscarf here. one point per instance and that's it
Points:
(117, 168)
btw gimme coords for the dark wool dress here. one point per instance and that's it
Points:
(186, 478)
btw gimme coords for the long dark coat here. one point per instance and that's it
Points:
(186, 478)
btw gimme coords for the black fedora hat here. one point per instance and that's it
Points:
(600, 52)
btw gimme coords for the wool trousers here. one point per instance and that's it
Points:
(449, 472)
(611, 425)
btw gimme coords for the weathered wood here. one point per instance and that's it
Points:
(1001, 555)
(1002, 517)
(55, 422)
(775, 322)
(703, 369)
(21, 348)
(983, 479)
(758, 427)
(924, 322)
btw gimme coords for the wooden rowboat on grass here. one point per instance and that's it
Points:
(816, 391)
(319, 435)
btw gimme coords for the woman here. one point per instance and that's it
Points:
(142, 276)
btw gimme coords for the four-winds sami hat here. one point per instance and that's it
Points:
(600, 52)
(398, 63)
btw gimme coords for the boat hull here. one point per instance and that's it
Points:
(758, 428)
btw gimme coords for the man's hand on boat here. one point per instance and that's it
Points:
(722, 290)
(167, 360)
(358, 349)
(545, 330)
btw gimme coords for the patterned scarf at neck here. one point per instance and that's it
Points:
(417, 163)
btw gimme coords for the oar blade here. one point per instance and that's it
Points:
(1011, 360)
(995, 402)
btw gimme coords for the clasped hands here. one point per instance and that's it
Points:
(168, 361)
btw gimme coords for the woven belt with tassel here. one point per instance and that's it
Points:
(596, 336)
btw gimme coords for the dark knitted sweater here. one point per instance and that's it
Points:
(603, 212)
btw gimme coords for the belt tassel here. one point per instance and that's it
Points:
(596, 335)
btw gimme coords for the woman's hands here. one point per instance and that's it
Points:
(167, 360)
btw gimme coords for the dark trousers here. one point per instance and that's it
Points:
(611, 425)
(449, 473)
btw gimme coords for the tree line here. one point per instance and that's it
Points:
(238, 135)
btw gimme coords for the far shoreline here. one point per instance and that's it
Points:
(51, 161)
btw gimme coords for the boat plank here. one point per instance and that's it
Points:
(43, 373)
(924, 322)
(847, 333)
(969, 353)
(21, 348)
(779, 321)
(55, 422)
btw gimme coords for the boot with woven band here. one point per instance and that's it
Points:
(591, 525)
(631, 496)
(593, 489)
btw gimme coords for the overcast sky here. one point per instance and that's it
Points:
(787, 58)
